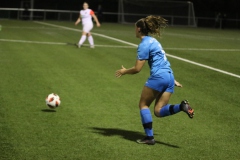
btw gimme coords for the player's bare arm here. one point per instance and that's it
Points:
(96, 20)
(78, 21)
(135, 69)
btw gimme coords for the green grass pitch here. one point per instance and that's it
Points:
(99, 116)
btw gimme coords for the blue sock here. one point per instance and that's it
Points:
(169, 110)
(146, 117)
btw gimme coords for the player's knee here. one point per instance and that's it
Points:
(142, 106)
(157, 111)
(156, 114)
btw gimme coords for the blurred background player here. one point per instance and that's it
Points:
(160, 84)
(86, 17)
(100, 14)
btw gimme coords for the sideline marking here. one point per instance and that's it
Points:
(197, 36)
(204, 49)
(61, 43)
(78, 30)
(37, 42)
(132, 44)
(205, 66)
(35, 28)
(118, 46)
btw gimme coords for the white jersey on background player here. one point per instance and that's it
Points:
(86, 16)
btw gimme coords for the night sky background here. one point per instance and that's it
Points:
(203, 8)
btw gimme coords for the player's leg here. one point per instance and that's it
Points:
(82, 39)
(163, 109)
(90, 40)
(86, 32)
(147, 97)
(88, 29)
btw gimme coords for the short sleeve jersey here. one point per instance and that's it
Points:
(150, 49)
(86, 16)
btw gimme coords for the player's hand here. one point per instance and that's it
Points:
(98, 24)
(177, 83)
(120, 72)
(78, 21)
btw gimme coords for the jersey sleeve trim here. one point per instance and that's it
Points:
(91, 12)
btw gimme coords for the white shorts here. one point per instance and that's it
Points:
(87, 27)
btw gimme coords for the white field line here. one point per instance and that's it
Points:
(134, 45)
(35, 28)
(78, 30)
(196, 36)
(118, 46)
(204, 49)
(205, 66)
(36, 42)
(61, 43)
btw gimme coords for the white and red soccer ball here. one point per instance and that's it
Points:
(53, 101)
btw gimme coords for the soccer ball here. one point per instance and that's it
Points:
(53, 101)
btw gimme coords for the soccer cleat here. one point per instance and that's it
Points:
(92, 46)
(79, 45)
(185, 107)
(146, 140)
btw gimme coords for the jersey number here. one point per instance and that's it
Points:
(164, 54)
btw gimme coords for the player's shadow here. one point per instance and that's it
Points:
(75, 44)
(71, 44)
(48, 110)
(126, 134)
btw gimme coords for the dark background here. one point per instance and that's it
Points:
(203, 8)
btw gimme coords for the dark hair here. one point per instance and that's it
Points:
(86, 3)
(151, 24)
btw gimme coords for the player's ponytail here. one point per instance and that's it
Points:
(151, 24)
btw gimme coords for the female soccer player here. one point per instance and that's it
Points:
(86, 17)
(160, 84)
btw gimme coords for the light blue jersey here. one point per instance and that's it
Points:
(150, 49)
(161, 75)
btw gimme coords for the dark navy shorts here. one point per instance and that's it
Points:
(163, 83)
